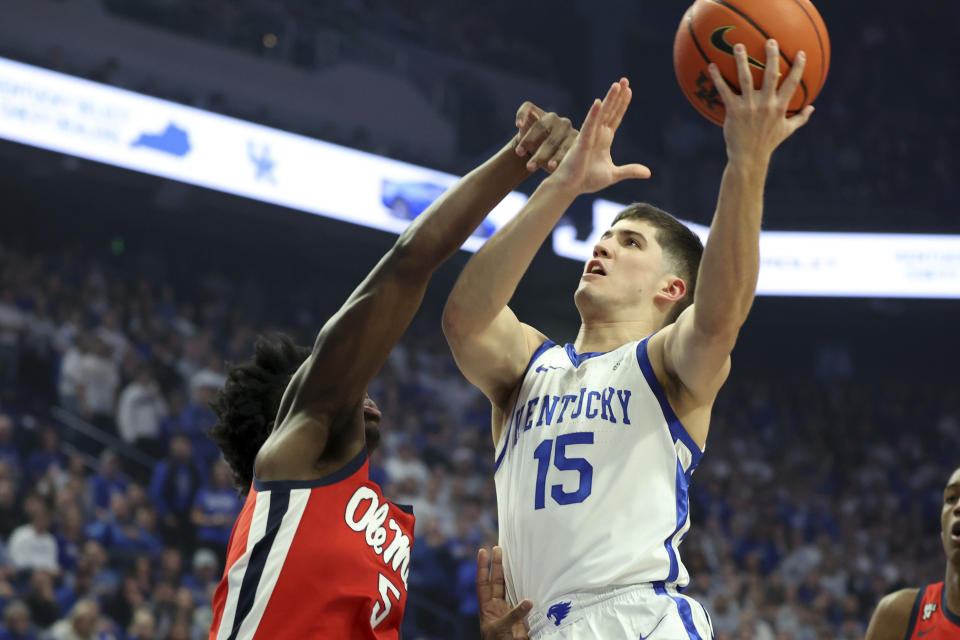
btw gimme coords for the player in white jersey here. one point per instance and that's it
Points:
(596, 441)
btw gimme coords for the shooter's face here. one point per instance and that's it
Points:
(950, 519)
(624, 271)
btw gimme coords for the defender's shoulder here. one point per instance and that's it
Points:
(891, 618)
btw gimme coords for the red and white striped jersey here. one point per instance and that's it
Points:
(325, 558)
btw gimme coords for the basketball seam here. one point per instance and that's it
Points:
(823, 51)
(803, 85)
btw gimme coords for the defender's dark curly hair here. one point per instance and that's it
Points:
(247, 405)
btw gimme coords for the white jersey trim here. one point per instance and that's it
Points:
(275, 561)
(505, 432)
(258, 526)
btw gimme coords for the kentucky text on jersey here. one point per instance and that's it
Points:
(592, 472)
(612, 405)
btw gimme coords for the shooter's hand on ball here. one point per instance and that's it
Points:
(757, 119)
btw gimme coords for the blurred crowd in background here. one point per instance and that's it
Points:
(814, 499)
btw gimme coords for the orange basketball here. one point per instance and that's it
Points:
(710, 28)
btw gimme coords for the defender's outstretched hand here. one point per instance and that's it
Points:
(497, 620)
(588, 166)
(545, 137)
(757, 119)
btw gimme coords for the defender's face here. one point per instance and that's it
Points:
(371, 422)
(950, 519)
(626, 267)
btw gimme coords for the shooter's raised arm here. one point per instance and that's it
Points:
(696, 349)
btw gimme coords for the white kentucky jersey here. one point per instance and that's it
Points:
(592, 471)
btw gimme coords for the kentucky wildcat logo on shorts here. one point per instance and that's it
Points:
(558, 612)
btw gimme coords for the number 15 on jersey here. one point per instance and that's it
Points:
(543, 453)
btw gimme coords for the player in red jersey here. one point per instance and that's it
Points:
(317, 551)
(933, 612)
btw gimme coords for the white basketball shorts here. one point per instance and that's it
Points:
(635, 612)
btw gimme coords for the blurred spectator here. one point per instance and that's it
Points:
(205, 573)
(70, 536)
(11, 514)
(120, 606)
(101, 377)
(9, 451)
(94, 559)
(142, 626)
(112, 335)
(41, 598)
(405, 464)
(46, 459)
(171, 567)
(82, 623)
(71, 376)
(215, 510)
(140, 410)
(12, 328)
(108, 480)
(173, 490)
(196, 419)
(32, 546)
(76, 585)
(16, 623)
(126, 530)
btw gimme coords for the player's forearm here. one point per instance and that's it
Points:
(730, 266)
(491, 276)
(437, 233)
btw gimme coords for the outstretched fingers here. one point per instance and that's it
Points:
(726, 93)
(591, 123)
(800, 119)
(771, 71)
(631, 172)
(619, 108)
(743, 70)
(484, 590)
(790, 85)
(497, 585)
(517, 614)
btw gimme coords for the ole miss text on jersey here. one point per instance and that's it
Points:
(326, 558)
